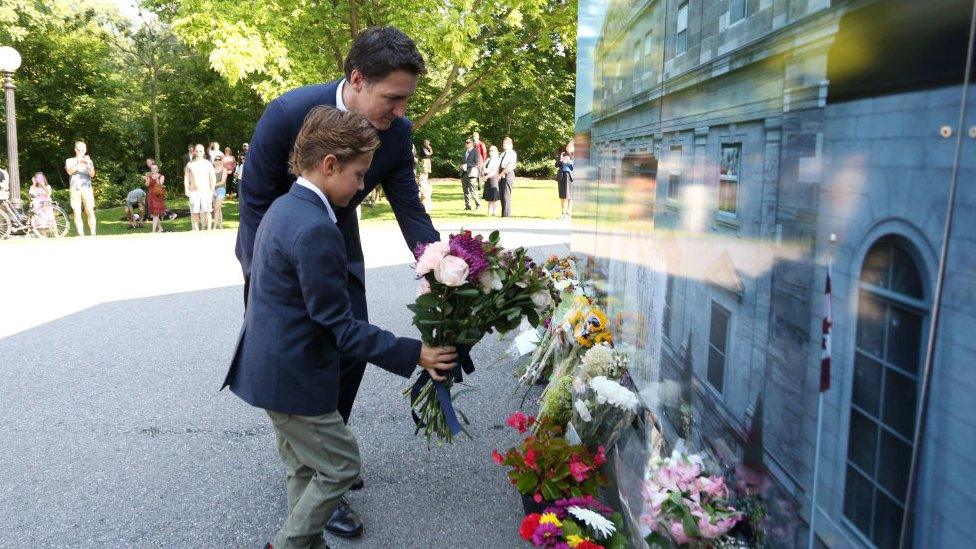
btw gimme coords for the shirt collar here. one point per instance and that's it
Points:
(339, 103)
(308, 185)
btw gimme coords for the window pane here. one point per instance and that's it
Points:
(668, 301)
(896, 457)
(870, 325)
(867, 383)
(716, 368)
(887, 522)
(719, 328)
(899, 403)
(904, 338)
(857, 500)
(875, 269)
(731, 156)
(862, 446)
(673, 182)
(682, 17)
(737, 10)
(904, 274)
(681, 41)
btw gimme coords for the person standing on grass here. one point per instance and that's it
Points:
(426, 188)
(482, 157)
(81, 172)
(214, 153)
(564, 179)
(469, 175)
(227, 166)
(229, 163)
(506, 177)
(492, 166)
(156, 189)
(199, 180)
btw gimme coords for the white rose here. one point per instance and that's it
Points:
(423, 288)
(451, 271)
(490, 280)
(541, 299)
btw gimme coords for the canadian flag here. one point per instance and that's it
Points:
(828, 325)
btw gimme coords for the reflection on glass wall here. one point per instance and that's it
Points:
(731, 154)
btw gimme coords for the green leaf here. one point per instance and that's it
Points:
(550, 491)
(526, 482)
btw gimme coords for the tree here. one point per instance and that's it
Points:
(288, 43)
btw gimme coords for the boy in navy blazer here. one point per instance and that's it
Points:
(299, 322)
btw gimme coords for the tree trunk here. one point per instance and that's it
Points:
(153, 93)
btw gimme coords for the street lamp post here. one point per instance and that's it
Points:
(9, 63)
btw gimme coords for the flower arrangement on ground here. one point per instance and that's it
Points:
(601, 410)
(684, 505)
(577, 326)
(578, 523)
(545, 466)
(469, 286)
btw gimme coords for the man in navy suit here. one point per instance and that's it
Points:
(299, 323)
(382, 69)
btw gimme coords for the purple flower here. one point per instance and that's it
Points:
(471, 250)
(586, 502)
(546, 535)
(418, 250)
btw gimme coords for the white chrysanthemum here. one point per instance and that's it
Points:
(598, 358)
(610, 392)
(596, 522)
(583, 410)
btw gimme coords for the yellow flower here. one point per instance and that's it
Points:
(574, 540)
(603, 337)
(550, 518)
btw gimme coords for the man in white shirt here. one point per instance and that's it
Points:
(506, 175)
(81, 171)
(199, 181)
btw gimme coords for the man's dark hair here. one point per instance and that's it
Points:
(379, 51)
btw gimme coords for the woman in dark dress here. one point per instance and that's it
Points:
(564, 178)
(491, 194)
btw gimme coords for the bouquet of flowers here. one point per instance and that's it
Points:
(562, 271)
(603, 407)
(576, 326)
(469, 286)
(546, 466)
(578, 523)
(684, 505)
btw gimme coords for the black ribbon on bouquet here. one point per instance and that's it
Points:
(465, 365)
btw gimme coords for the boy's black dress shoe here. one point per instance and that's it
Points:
(358, 485)
(344, 521)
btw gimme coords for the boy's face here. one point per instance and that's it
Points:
(348, 178)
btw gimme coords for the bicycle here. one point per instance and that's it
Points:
(31, 223)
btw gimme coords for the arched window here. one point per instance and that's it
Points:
(891, 314)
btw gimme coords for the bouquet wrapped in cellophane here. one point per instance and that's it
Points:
(469, 286)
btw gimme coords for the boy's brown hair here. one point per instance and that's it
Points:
(327, 130)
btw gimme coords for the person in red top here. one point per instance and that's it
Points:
(156, 192)
(482, 156)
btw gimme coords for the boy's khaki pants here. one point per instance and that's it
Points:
(321, 457)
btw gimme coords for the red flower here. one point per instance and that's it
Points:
(600, 458)
(497, 457)
(578, 469)
(530, 459)
(529, 524)
(587, 544)
(537, 497)
(518, 421)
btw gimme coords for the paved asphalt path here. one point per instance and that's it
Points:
(114, 434)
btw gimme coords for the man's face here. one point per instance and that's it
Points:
(81, 149)
(198, 151)
(349, 178)
(385, 100)
(468, 145)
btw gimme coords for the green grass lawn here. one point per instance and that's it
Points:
(531, 199)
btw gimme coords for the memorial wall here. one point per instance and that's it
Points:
(731, 156)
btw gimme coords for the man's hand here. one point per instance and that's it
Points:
(433, 359)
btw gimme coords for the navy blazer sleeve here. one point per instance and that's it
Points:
(401, 190)
(319, 259)
(265, 175)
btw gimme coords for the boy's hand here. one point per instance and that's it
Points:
(433, 359)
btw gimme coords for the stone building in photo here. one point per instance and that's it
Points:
(734, 150)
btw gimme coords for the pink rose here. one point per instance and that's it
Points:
(423, 287)
(578, 469)
(451, 271)
(433, 254)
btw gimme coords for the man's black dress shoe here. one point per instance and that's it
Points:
(344, 521)
(358, 485)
